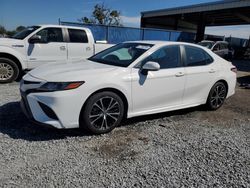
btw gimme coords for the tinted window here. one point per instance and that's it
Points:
(51, 35)
(197, 57)
(167, 57)
(223, 46)
(216, 47)
(78, 36)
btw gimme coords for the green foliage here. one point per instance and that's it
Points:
(103, 15)
(3, 31)
(20, 28)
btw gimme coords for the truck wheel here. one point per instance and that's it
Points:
(9, 70)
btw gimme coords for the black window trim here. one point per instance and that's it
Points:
(139, 64)
(185, 57)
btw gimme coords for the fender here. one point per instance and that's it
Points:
(13, 52)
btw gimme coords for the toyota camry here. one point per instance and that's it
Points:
(127, 80)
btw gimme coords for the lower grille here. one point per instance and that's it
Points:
(48, 111)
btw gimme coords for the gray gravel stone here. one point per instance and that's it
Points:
(187, 148)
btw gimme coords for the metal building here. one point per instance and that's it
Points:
(195, 18)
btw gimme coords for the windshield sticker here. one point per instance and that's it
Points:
(143, 47)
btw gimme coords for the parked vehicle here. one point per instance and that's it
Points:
(221, 48)
(42, 44)
(127, 80)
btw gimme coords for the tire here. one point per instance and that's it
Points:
(217, 96)
(9, 70)
(102, 113)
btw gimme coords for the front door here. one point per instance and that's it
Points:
(52, 48)
(159, 90)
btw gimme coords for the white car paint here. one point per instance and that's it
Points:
(162, 90)
(30, 56)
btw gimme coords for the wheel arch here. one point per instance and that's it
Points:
(223, 81)
(114, 90)
(13, 58)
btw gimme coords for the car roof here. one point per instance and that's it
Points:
(62, 26)
(160, 43)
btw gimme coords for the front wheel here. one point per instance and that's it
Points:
(102, 113)
(217, 96)
(8, 70)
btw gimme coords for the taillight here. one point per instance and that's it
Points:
(234, 69)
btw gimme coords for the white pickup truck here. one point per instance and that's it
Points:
(42, 44)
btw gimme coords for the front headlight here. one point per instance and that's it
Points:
(59, 86)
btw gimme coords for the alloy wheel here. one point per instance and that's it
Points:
(105, 113)
(218, 96)
(6, 71)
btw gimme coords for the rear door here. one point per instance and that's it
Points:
(79, 47)
(201, 73)
(52, 48)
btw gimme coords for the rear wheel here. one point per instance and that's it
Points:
(102, 112)
(8, 70)
(216, 96)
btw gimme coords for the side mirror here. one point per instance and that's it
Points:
(150, 66)
(35, 39)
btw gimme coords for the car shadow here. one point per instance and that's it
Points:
(15, 124)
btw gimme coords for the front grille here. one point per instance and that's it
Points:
(30, 82)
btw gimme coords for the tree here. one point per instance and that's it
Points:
(20, 28)
(104, 16)
(2, 30)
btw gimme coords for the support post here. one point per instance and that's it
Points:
(200, 28)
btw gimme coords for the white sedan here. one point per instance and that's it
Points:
(127, 80)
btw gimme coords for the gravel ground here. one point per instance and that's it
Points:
(186, 148)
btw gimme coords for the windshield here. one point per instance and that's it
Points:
(24, 33)
(208, 45)
(122, 54)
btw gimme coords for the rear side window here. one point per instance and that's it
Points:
(77, 36)
(197, 57)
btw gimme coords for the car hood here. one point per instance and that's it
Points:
(70, 71)
(11, 42)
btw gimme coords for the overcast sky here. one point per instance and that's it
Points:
(29, 12)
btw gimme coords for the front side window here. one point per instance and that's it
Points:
(77, 36)
(167, 57)
(197, 57)
(223, 46)
(122, 54)
(51, 35)
(216, 47)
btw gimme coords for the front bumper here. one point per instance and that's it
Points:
(28, 113)
(59, 109)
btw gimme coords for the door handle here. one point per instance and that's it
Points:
(62, 48)
(212, 71)
(179, 74)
